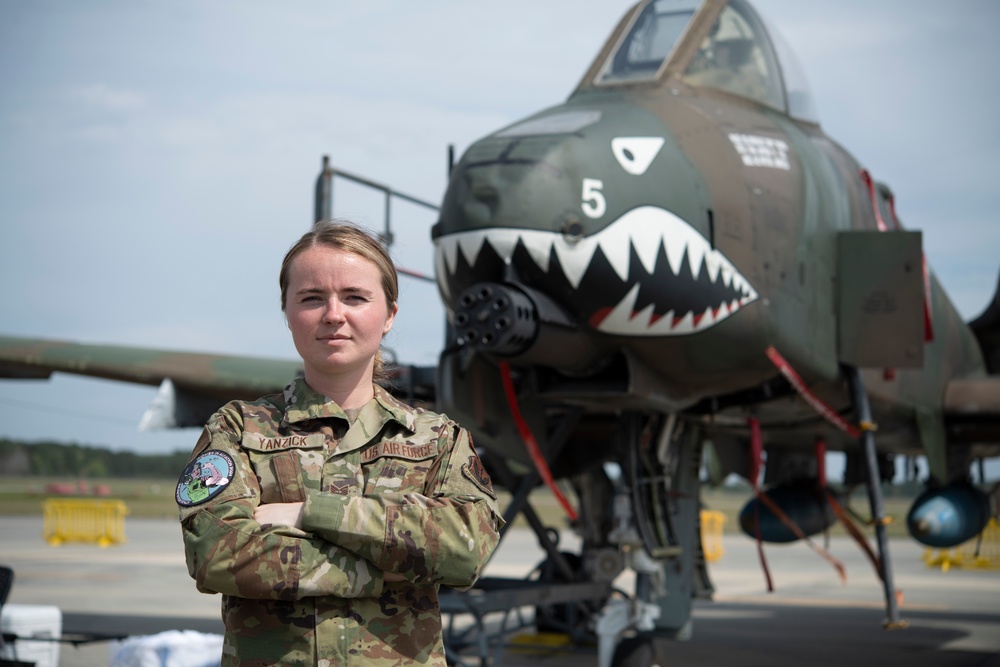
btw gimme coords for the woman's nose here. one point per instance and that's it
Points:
(334, 311)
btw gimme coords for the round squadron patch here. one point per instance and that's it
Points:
(204, 478)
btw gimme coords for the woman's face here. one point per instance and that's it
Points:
(337, 312)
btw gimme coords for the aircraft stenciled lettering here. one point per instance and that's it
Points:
(757, 151)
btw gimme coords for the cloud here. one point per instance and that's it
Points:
(102, 97)
(160, 157)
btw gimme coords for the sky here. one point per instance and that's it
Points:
(157, 159)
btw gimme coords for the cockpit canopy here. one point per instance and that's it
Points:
(713, 44)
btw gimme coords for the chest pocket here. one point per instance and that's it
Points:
(401, 467)
(286, 466)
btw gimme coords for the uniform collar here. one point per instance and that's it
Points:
(399, 411)
(302, 402)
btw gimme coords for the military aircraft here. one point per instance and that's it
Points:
(674, 265)
(678, 258)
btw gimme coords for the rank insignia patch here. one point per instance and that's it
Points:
(204, 478)
(476, 474)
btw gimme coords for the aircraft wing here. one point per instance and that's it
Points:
(214, 375)
(972, 406)
(986, 328)
(972, 413)
(192, 385)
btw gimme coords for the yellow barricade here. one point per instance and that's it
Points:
(982, 551)
(711, 534)
(84, 520)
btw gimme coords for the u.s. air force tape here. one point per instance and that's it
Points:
(204, 478)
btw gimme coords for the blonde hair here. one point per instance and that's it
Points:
(345, 236)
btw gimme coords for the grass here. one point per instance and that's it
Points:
(25, 496)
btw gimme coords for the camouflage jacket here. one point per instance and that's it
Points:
(399, 490)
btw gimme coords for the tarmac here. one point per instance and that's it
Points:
(142, 587)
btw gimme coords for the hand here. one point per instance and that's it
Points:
(284, 514)
(290, 514)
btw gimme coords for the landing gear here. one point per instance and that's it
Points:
(569, 618)
(638, 652)
(864, 415)
(639, 509)
(662, 474)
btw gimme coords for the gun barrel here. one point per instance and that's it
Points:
(523, 325)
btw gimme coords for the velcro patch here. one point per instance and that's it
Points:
(400, 450)
(476, 473)
(261, 443)
(204, 478)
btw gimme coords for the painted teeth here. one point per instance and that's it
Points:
(645, 230)
(624, 320)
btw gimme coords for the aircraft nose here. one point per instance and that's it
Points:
(573, 172)
(501, 190)
(607, 216)
(480, 208)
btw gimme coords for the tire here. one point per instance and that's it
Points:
(637, 652)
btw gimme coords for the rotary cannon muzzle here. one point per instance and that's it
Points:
(496, 318)
(523, 325)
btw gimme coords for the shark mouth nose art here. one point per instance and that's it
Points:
(649, 273)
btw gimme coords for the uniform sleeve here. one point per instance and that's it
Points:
(444, 537)
(229, 552)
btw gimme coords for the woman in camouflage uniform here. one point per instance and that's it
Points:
(335, 511)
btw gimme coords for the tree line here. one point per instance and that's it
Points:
(59, 459)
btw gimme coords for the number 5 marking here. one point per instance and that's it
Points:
(593, 203)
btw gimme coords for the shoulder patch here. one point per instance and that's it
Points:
(204, 478)
(476, 473)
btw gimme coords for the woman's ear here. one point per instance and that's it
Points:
(389, 320)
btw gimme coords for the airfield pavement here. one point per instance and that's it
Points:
(142, 587)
